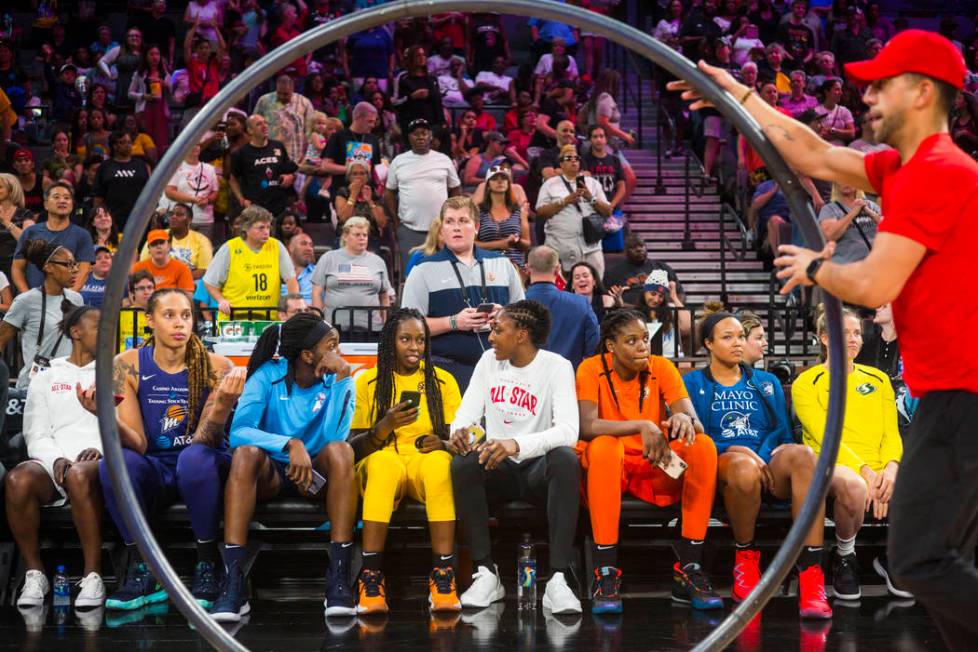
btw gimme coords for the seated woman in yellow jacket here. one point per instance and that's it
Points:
(869, 453)
(400, 449)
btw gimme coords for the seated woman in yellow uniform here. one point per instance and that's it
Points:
(400, 449)
(869, 453)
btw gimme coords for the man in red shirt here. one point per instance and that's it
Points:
(922, 254)
(167, 272)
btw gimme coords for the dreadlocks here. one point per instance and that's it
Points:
(386, 365)
(201, 377)
(534, 317)
(289, 339)
(611, 326)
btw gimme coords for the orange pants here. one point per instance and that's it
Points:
(609, 473)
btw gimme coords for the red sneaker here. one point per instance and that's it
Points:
(811, 593)
(746, 573)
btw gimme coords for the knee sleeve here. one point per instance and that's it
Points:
(381, 477)
(433, 485)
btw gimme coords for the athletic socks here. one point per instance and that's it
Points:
(810, 556)
(372, 561)
(845, 546)
(690, 552)
(744, 546)
(444, 561)
(340, 551)
(207, 551)
(234, 554)
(606, 556)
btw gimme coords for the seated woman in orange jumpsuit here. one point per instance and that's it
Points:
(625, 439)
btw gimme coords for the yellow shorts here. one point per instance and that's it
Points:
(386, 476)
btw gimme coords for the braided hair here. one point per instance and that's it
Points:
(534, 317)
(288, 340)
(611, 326)
(201, 376)
(386, 362)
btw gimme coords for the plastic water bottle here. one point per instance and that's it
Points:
(526, 575)
(62, 589)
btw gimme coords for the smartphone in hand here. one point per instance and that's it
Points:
(485, 308)
(413, 399)
(317, 484)
(673, 465)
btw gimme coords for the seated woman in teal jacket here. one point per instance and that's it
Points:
(743, 410)
(289, 435)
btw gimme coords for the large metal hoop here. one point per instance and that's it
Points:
(268, 65)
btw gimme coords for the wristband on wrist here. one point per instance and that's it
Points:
(743, 100)
(813, 268)
(453, 323)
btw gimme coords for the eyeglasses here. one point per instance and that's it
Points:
(70, 264)
(571, 158)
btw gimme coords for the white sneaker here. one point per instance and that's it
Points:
(559, 598)
(486, 589)
(36, 586)
(92, 592)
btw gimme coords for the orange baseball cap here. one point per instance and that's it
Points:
(156, 235)
(916, 51)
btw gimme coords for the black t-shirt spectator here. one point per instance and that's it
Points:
(486, 38)
(259, 171)
(606, 170)
(428, 108)
(798, 40)
(34, 198)
(767, 28)
(631, 276)
(849, 47)
(156, 31)
(118, 184)
(698, 24)
(346, 144)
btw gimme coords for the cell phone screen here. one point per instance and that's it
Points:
(413, 398)
(485, 307)
(580, 182)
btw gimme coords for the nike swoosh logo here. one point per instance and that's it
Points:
(283, 398)
(346, 545)
(445, 280)
(148, 377)
(605, 547)
(444, 558)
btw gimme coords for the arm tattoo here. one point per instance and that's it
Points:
(122, 370)
(210, 433)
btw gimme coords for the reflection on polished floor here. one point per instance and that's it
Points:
(650, 623)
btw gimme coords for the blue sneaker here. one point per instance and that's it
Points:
(606, 597)
(693, 587)
(139, 589)
(233, 601)
(340, 599)
(206, 586)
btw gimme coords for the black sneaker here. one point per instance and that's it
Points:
(845, 576)
(139, 589)
(340, 599)
(882, 568)
(606, 596)
(232, 603)
(206, 586)
(692, 586)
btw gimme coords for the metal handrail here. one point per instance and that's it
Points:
(725, 244)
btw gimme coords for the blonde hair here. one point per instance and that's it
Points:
(837, 193)
(749, 321)
(316, 117)
(459, 202)
(822, 326)
(432, 243)
(15, 192)
(357, 221)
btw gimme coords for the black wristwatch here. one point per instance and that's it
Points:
(813, 268)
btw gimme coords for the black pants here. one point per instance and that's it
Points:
(934, 515)
(552, 480)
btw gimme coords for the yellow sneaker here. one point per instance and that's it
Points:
(442, 595)
(373, 592)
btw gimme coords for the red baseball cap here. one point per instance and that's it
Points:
(913, 50)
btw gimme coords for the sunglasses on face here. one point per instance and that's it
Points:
(571, 158)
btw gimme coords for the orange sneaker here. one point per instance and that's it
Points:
(442, 595)
(812, 602)
(373, 592)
